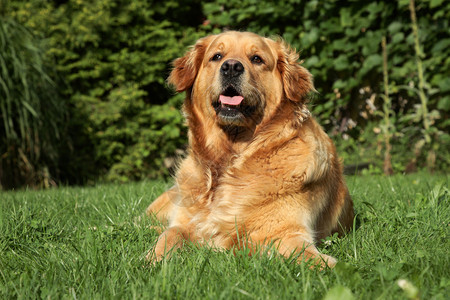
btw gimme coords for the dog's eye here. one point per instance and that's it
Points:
(216, 57)
(256, 59)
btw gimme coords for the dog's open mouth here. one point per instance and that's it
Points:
(231, 107)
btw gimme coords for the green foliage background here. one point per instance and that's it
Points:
(110, 59)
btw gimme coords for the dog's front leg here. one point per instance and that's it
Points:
(164, 204)
(168, 242)
(296, 244)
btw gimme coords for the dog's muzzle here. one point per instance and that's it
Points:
(231, 106)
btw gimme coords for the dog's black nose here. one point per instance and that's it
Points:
(232, 68)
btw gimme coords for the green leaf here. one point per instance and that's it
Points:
(435, 3)
(440, 46)
(371, 62)
(398, 37)
(395, 27)
(444, 103)
(444, 84)
(339, 292)
(341, 62)
(346, 18)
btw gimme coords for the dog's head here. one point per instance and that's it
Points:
(240, 78)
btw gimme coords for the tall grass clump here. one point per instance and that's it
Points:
(31, 111)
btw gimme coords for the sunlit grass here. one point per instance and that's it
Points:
(89, 243)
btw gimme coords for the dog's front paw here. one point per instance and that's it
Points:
(170, 240)
(326, 260)
(153, 257)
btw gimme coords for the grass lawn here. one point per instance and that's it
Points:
(85, 243)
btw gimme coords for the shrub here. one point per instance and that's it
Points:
(341, 45)
(115, 56)
(124, 123)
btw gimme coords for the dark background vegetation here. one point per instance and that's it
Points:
(83, 96)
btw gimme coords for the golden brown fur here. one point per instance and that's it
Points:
(266, 169)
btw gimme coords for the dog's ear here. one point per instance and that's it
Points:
(297, 81)
(185, 68)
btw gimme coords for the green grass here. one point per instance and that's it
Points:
(84, 243)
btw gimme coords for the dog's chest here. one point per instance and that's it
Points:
(230, 199)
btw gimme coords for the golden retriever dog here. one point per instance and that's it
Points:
(260, 171)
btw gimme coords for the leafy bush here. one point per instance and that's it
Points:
(115, 57)
(124, 123)
(341, 46)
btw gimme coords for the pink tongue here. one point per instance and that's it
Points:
(235, 100)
